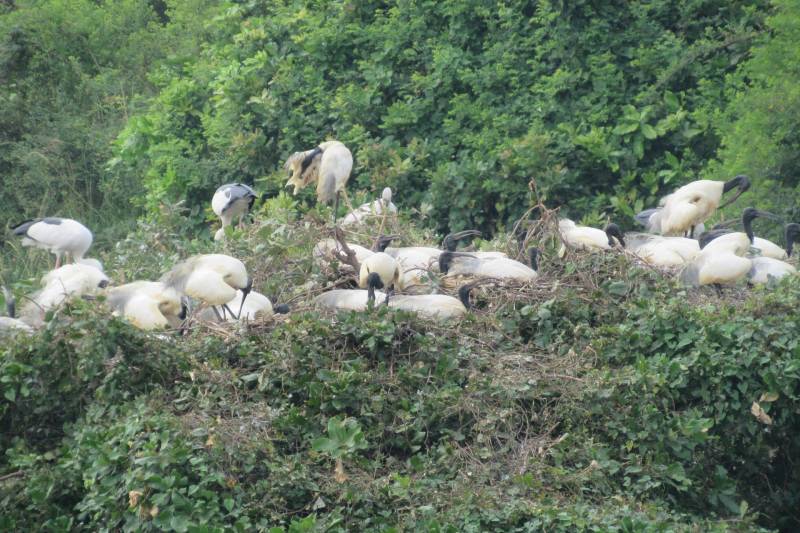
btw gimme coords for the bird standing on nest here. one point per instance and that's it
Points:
(329, 164)
(230, 201)
(213, 279)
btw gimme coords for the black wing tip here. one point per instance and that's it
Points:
(22, 227)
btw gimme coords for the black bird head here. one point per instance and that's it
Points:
(792, 231)
(384, 241)
(281, 309)
(750, 214)
(612, 230)
(741, 182)
(373, 282)
(450, 242)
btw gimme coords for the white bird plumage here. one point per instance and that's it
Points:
(690, 205)
(586, 237)
(722, 259)
(387, 269)
(212, 278)
(455, 264)
(148, 304)
(60, 236)
(435, 306)
(230, 201)
(329, 164)
(256, 307)
(346, 299)
(62, 284)
(372, 209)
(662, 251)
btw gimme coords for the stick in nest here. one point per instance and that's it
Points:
(346, 255)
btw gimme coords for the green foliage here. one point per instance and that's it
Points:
(759, 128)
(70, 75)
(455, 105)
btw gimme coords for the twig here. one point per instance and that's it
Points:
(18, 473)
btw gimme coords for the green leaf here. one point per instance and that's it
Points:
(649, 132)
(625, 128)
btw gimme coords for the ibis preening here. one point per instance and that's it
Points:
(148, 304)
(722, 258)
(60, 236)
(588, 238)
(329, 164)
(10, 324)
(372, 209)
(256, 307)
(213, 279)
(505, 269)
(690, 205)
(387, 270)
(66, 282)
(230, 201)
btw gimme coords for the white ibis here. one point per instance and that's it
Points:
(230, 201)
(588, 238)
(148, 305)
(64, 283)
(212, 278)
(387, 270)
(435, 306)
(690, 205)
(662, 251)
(60, 236)
(504, 269)
(329, 164)
(372, 209)
(353, 299)
(722, 259)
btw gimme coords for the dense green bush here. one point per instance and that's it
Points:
(456, 105)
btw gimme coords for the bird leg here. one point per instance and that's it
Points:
(228, 309)
(58, 260)
(214, 308)
(388, 292)
(335, 208)
(718, 288)
(691, 232)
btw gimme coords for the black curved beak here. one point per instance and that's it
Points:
(742, 182)
(450, 241)
(384, 241)
(749, 214)
(245, 292)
